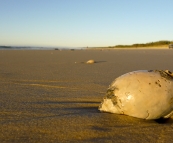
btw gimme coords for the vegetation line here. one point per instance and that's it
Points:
(151, 44)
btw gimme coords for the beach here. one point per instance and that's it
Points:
(51, 96)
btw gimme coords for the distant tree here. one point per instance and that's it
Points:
(157, 43)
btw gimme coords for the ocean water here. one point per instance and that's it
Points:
(37, 48)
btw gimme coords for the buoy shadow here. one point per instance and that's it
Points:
(100, 61)
(164, 121)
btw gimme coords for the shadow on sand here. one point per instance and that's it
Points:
(84, 108)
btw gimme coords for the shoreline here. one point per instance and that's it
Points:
(84, 48)
(129, 48)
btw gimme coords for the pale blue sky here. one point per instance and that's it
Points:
(81, 23)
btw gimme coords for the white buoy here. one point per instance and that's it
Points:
(142, 94)
(90, 62)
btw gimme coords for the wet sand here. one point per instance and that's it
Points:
(52, 96)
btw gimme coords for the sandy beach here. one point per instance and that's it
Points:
(52, 96)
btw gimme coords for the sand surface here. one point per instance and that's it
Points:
(52, 96)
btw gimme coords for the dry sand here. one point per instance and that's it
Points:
(52, 96)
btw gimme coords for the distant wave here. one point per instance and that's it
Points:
(36, 48)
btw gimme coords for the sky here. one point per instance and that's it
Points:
(84, 23)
